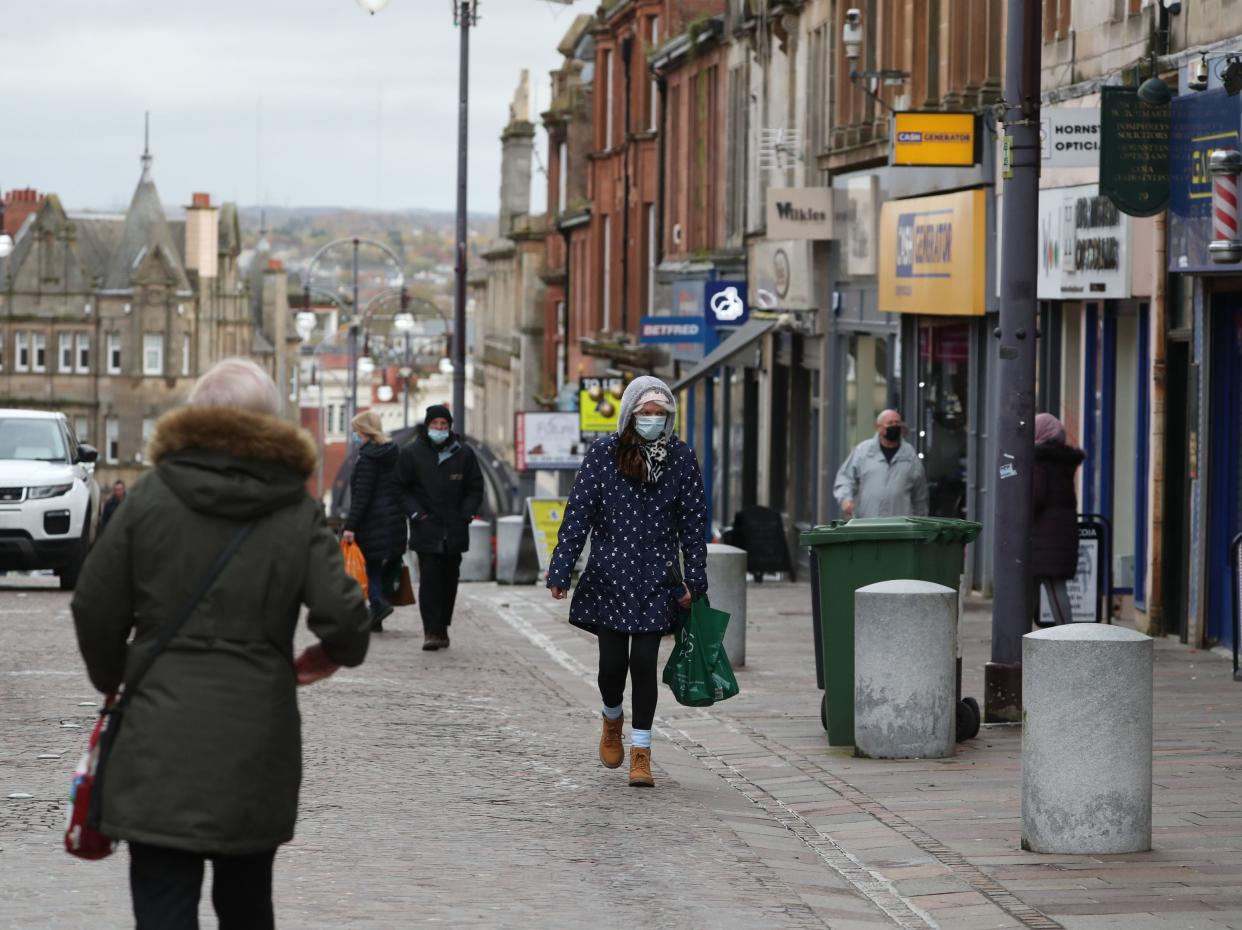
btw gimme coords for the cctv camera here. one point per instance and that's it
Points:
(852, 33)
(1197, 76)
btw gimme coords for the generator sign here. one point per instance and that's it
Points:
(936, 139)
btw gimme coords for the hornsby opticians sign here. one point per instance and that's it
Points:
(799, 213)
(935, 139)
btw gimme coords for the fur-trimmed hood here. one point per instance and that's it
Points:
(241, 433)
(232, 462)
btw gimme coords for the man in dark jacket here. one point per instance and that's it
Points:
(112, 503)
(209, 760)
(442, 489)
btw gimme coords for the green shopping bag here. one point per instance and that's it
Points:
(698, 671)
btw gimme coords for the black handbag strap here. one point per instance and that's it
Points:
(170, 629)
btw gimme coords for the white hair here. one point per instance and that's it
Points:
(239, 383)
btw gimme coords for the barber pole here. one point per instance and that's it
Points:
(1225, 165)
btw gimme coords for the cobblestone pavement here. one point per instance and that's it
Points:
(460, 789)
(456, 789)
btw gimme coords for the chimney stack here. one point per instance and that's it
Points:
(19, 204)
(202, 236)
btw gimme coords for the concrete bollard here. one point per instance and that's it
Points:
(726, 589)
(1086, 740)
(905, 657)
(515, 552)
(476, 564)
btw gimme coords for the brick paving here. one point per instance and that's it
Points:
(461, 789)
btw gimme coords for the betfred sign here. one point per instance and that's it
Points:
(799, 213)
(666, 330)
(1069, 137)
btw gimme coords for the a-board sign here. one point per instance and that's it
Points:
(1087, 589)
(546, 516)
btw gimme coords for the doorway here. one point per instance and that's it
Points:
(1175, 532)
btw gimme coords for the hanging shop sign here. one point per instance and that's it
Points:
(1201, 123)
(933, 254)
(1069, 137)
(780, 275)
(1083, 245)
(936, 139)
(1134, 152)
(547, 440)
(724, 303)
(799, 212)
(599, 405)
(861, 196)
(546, 516)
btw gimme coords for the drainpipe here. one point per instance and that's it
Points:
(627, 49)
(568, 303)
(1156, 317)
(662, 145)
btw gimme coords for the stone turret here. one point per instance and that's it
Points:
(517, 152)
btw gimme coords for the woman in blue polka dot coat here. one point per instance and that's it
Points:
(639, 495)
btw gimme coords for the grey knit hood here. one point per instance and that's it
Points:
(636, 389)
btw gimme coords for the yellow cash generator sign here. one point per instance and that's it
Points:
(933, 255)
(941, 139)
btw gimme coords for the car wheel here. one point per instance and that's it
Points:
(69, 574)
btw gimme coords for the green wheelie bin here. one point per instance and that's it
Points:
(854, 554)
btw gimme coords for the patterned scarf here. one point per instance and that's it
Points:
(655, 454)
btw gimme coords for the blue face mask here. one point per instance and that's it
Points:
(649, 427)
(438, 436)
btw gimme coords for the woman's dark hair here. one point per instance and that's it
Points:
(629, 456)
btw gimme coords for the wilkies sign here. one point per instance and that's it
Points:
(799, 213)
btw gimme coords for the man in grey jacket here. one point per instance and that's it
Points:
(883, 476)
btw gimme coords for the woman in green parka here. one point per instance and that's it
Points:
(209, 760)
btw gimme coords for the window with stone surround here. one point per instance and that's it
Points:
(39, 341)
(114, 353)
(84, 353)
(152, 354)
(112, 443)
(65, 343)
(21, 359)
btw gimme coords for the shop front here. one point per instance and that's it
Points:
(933, 272)
(1095, 364)
(1204, 420)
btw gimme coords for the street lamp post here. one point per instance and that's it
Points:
(1015, 340)
(403, 322)
(465, 16)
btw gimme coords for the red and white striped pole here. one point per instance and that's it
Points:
(1225, 165)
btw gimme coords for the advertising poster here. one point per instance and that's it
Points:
(546, 516)
(549, 441)
(1085, 587)
(599, 405)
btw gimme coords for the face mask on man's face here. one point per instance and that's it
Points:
(438, 436)
(649, 427)
(892, 433)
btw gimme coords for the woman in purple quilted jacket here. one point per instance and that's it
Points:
(639, 495)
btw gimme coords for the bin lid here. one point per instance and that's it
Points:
(924, 529)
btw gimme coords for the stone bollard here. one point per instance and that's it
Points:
(515, 551)
(476, 564)
(905, 657)
(1086, 740)
(726, 589)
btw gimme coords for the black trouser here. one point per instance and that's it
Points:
(637, 653)
(375, 583)
(166, 885)
(437, 589)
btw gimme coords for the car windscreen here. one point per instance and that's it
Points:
(32, 440)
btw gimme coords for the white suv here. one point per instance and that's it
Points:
(49, 502)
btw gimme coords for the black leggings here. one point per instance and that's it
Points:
(637, 653)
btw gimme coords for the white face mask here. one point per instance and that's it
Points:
(438, 436)
(649, 427)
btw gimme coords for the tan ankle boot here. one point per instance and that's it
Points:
(611, 749)
(640, 768)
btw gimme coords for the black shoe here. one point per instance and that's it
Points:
(377, 618)
(431, 642)
(444, 640)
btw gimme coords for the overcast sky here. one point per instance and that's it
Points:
(289, 102)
